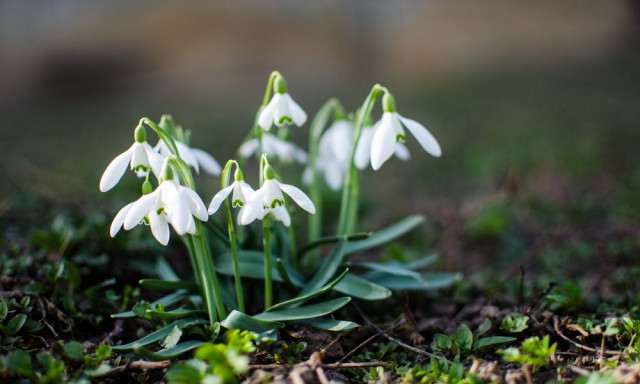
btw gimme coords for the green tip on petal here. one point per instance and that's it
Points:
(269, 174)
(147, 187)
(280, 85)
(140, 134)
(238, 176)
(388, 103)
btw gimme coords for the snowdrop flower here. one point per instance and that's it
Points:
(269, 199)
(282, 109)
(334, 153)
(140, 157)
(275, 147)
(363, 149)
(170, 203)
(388, 132)
(196, 158)
(241, 192)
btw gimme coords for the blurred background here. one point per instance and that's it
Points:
(537, 98)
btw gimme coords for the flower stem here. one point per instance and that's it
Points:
(266, 241)
(208, 279)
(236, 263)
(350, 189)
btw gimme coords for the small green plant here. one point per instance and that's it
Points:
(533, 352)
(216, 363)
(515, 322)
(289, 353)
(461, 344)
(438, 371)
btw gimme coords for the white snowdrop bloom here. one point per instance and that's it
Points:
(282, 109)
(270, 199)
(241, 192)
(170, 203)
(363, 149)
(389, 132)
(196, 158)
(334, 152)
(273, 146)
(141, 158)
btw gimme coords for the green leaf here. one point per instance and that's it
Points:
(103, 352)
(330, 239)
(305, 312)
(15, 324)
(492, 341)
(442, 341)
(327, 269)
(239, 320)
(168, 285)
(3, 310)
(355, 286)
(20, 362)
(74, 350)
(175, 314)
(157, 335)
(165, 301)
(171, 353)
(484, 327)
(302, 298)
(172, 339)
(386, 235)
(389, 269)
(429, 281)
(252, 266)
(330, 324)
(464, 337)
(282, 270)
(101, 370)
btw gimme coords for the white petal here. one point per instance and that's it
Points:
(282, 214)
(219, 198)
(363, 149)
(252, 208)
(159, 227)
(424, 137)
(207, 162)
(178, 212)
(341, 140)
(117, 222)
(155, 160)
(247, 191)
(195, 203)
(140, 209)
(115, 170)
(191, 227)
(298, 196)
(334, 175)
(248, 148)
(307, 175)
(282, 114)
(298, 116)
(187, 155)
(383, 143)
(266, 115)
(139, 156)
(402, 152)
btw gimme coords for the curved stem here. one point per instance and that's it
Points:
(350, 190)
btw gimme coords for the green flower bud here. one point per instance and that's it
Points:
(146, 187)
(280, 85)
(140, 134)
(388, 103)
(339, 113)
(167, 172)
(269, 173)
(238, 176)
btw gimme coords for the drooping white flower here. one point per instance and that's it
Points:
(282, 109)
(389, 132)
(196, 158)
(269, 199)
(241, 192)
(363, 149)
(334, 151)
(274, 147)
(170, 203)
(141, 158)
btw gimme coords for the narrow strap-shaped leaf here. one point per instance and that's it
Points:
(157, 335)
(165, 301)
(327, 269)
(176, 313)
(164, 270)
(239, 320)
(329, 324)
(306, 312)
(385, 235)
(171, 353)
(168, 285)
(252, 266)
(330, 239)
(356, 286)
(428, 281)
(422, 263)
(282, 270)
(390, 269)
(309, 296)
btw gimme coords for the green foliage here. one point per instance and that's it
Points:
(532, 352)
(289, 353)
(438, 371)
(461, 344)
(213, 363)
(515, 322)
